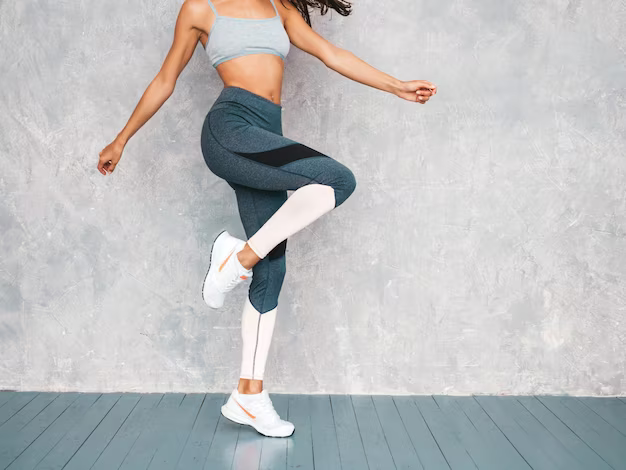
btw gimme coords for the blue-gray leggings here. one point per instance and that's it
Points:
(242, 142)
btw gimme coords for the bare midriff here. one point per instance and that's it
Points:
(261, 74)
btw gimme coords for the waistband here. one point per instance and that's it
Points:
(254, 108)
(246, 97)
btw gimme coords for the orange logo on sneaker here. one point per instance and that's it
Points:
(243, 277)
(224, 262)
(247, 412)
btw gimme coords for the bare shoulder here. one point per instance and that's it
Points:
(286, 9)
(196, 13)
(302, 35)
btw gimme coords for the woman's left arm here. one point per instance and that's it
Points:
(349, 65)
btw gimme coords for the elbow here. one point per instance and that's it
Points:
(334, 57)
(165, 84)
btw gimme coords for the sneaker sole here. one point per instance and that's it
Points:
(236, 419)
(207, 272)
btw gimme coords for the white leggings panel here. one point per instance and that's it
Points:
(256, 332)
(305, 205)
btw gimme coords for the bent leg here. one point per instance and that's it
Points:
(331, 186)
(257, 158)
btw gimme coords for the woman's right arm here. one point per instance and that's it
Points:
(186, 36)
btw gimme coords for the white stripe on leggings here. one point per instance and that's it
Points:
(256, 332)
(305, 205)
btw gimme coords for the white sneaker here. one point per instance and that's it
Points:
(225, 270)
(256, 410)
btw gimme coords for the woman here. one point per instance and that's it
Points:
(242, 142)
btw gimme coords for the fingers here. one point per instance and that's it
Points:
(101, 164)
(101, 167)
(423, 94)
(431, 86)
(109, 166)
(418, 91)
(104, 166)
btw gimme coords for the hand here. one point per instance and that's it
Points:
(418, 91)
(109, 156)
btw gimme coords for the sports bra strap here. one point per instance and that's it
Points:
(217, 14)
(213, 8)
(274, 7)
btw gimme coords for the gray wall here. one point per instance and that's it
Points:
(483, 251)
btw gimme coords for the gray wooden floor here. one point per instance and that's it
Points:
(81, 431)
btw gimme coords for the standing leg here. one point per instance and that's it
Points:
(242, 143)
(256, 206)
(249, 403)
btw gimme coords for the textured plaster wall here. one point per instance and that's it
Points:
(483, 251)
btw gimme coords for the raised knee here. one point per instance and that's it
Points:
(344, 186)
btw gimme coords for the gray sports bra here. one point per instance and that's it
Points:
(234, 37)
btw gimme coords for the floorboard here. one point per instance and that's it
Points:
(612, 450)
(349, 440)
(374, 440)
(28, 446)
(300, 448)
(528, 447)
(196, 449)
(133, 431)
(71, 442)
(323, 434)
(120, 444)
(274, 451)
(584, 454)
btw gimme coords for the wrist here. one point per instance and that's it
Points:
(121, 140)
(396, 86)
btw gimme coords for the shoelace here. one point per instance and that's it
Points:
(232, 283)
(266, 407)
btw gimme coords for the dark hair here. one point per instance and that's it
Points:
(340, 6)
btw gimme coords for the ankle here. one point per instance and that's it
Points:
(250, 386)
(247, 257)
